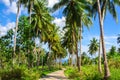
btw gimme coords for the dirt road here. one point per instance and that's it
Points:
(57, 75)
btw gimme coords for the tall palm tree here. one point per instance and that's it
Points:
(73, 12)
(102, 7)
(41, 22)
(16, 27)
(86, 21)
(107, 72)
(19, 3)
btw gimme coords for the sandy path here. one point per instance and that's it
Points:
(57, 75)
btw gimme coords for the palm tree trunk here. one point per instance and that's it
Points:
(15, 34)
(48, 61)
(31, 5)
(56, 60)
(72, 62)
(80, 45)
(69, 60)
(38, 60)
(75, 40)
(106, 68)
(42, 63)
(78, 64)
(99, 59)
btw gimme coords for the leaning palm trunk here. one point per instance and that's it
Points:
(15, 34)
(107, 72)
(99, 59)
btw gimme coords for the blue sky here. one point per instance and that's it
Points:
(111, 28)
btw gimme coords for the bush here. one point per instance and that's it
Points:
(15, 74)
(87, 73)
(115, 62)
(72, 73)
(115, 74)
(94, 76)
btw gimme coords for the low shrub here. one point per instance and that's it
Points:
(87, 73)
(115, 74)
(15, 74)
(115, 62)
(72, 73)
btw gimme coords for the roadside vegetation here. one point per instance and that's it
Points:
(91, 72)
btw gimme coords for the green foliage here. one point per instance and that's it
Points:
(115, 74)
(23, 73)
(114, 62)
(118, 39)
(20, 73)
(112, 51)
(93, 46)
(90, 72)
(87, 73)
(15, 74)
(72, 73)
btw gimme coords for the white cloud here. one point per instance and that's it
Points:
(12, 8)
(6, 2)
(52, 2)
(60, 22)
(110, 37)
(84, 48)
(7, 27)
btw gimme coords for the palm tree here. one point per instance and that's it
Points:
(73, 12)
(101, 18)
(93, 46)
(41, 21)
(102, 7)
(118, 39)
(112, 51)
(19, 3)
(16, 28)
(101, 13)
(67, 41)
(86, 21)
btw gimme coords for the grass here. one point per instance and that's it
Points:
(90, 72)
